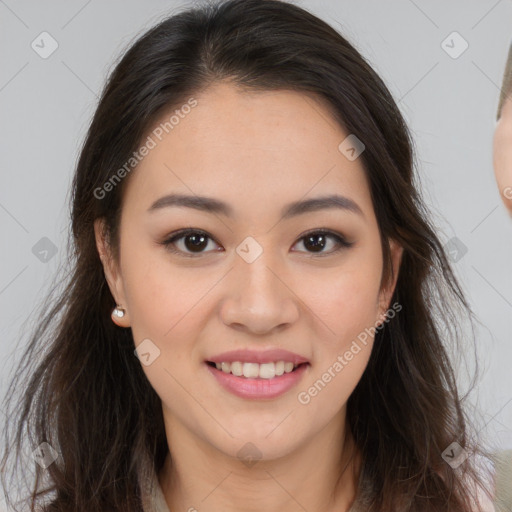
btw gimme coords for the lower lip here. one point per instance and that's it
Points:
(258, 388)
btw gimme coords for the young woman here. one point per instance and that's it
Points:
(259, 312)
(502, 150)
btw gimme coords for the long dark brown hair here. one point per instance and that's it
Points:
(79, 386)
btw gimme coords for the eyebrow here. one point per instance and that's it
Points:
(211, 205)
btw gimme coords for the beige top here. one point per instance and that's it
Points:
(154, 500)
(503, 479)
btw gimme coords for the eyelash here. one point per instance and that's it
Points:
(177, 235)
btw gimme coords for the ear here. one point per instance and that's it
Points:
(111, 270)
(388, 288)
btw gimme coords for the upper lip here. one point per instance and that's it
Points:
(258, 356)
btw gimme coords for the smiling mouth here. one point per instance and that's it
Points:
(266, 371)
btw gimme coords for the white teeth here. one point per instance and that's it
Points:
(255, 370)
(251, 370)
(267, 370)
(237, 368)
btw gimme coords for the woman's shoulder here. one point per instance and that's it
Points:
(500, 475)
(493, 493)
(153, 499)
(496, 475)
(503, 480)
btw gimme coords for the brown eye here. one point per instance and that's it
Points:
(188, 242)
(195, 242)
(317, 241)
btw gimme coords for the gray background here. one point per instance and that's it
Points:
(449, 103)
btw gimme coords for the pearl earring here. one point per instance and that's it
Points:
(118, 312)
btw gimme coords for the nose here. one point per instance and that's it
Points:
(258, 299)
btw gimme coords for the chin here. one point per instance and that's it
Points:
(248, 447)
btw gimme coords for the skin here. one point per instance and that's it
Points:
(502, 146)
(257, 152)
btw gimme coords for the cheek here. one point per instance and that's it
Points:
(348, 305)
(165, 307)
(161, 297)
(350, 309)
(347, 300)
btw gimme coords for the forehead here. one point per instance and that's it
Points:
(248, 147)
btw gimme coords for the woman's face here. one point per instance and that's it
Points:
(248, 278)
(503, 154)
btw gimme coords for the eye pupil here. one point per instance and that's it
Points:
(317, 242)
(194, 243)
(198, 242)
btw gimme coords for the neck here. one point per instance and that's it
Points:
(320, 475)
